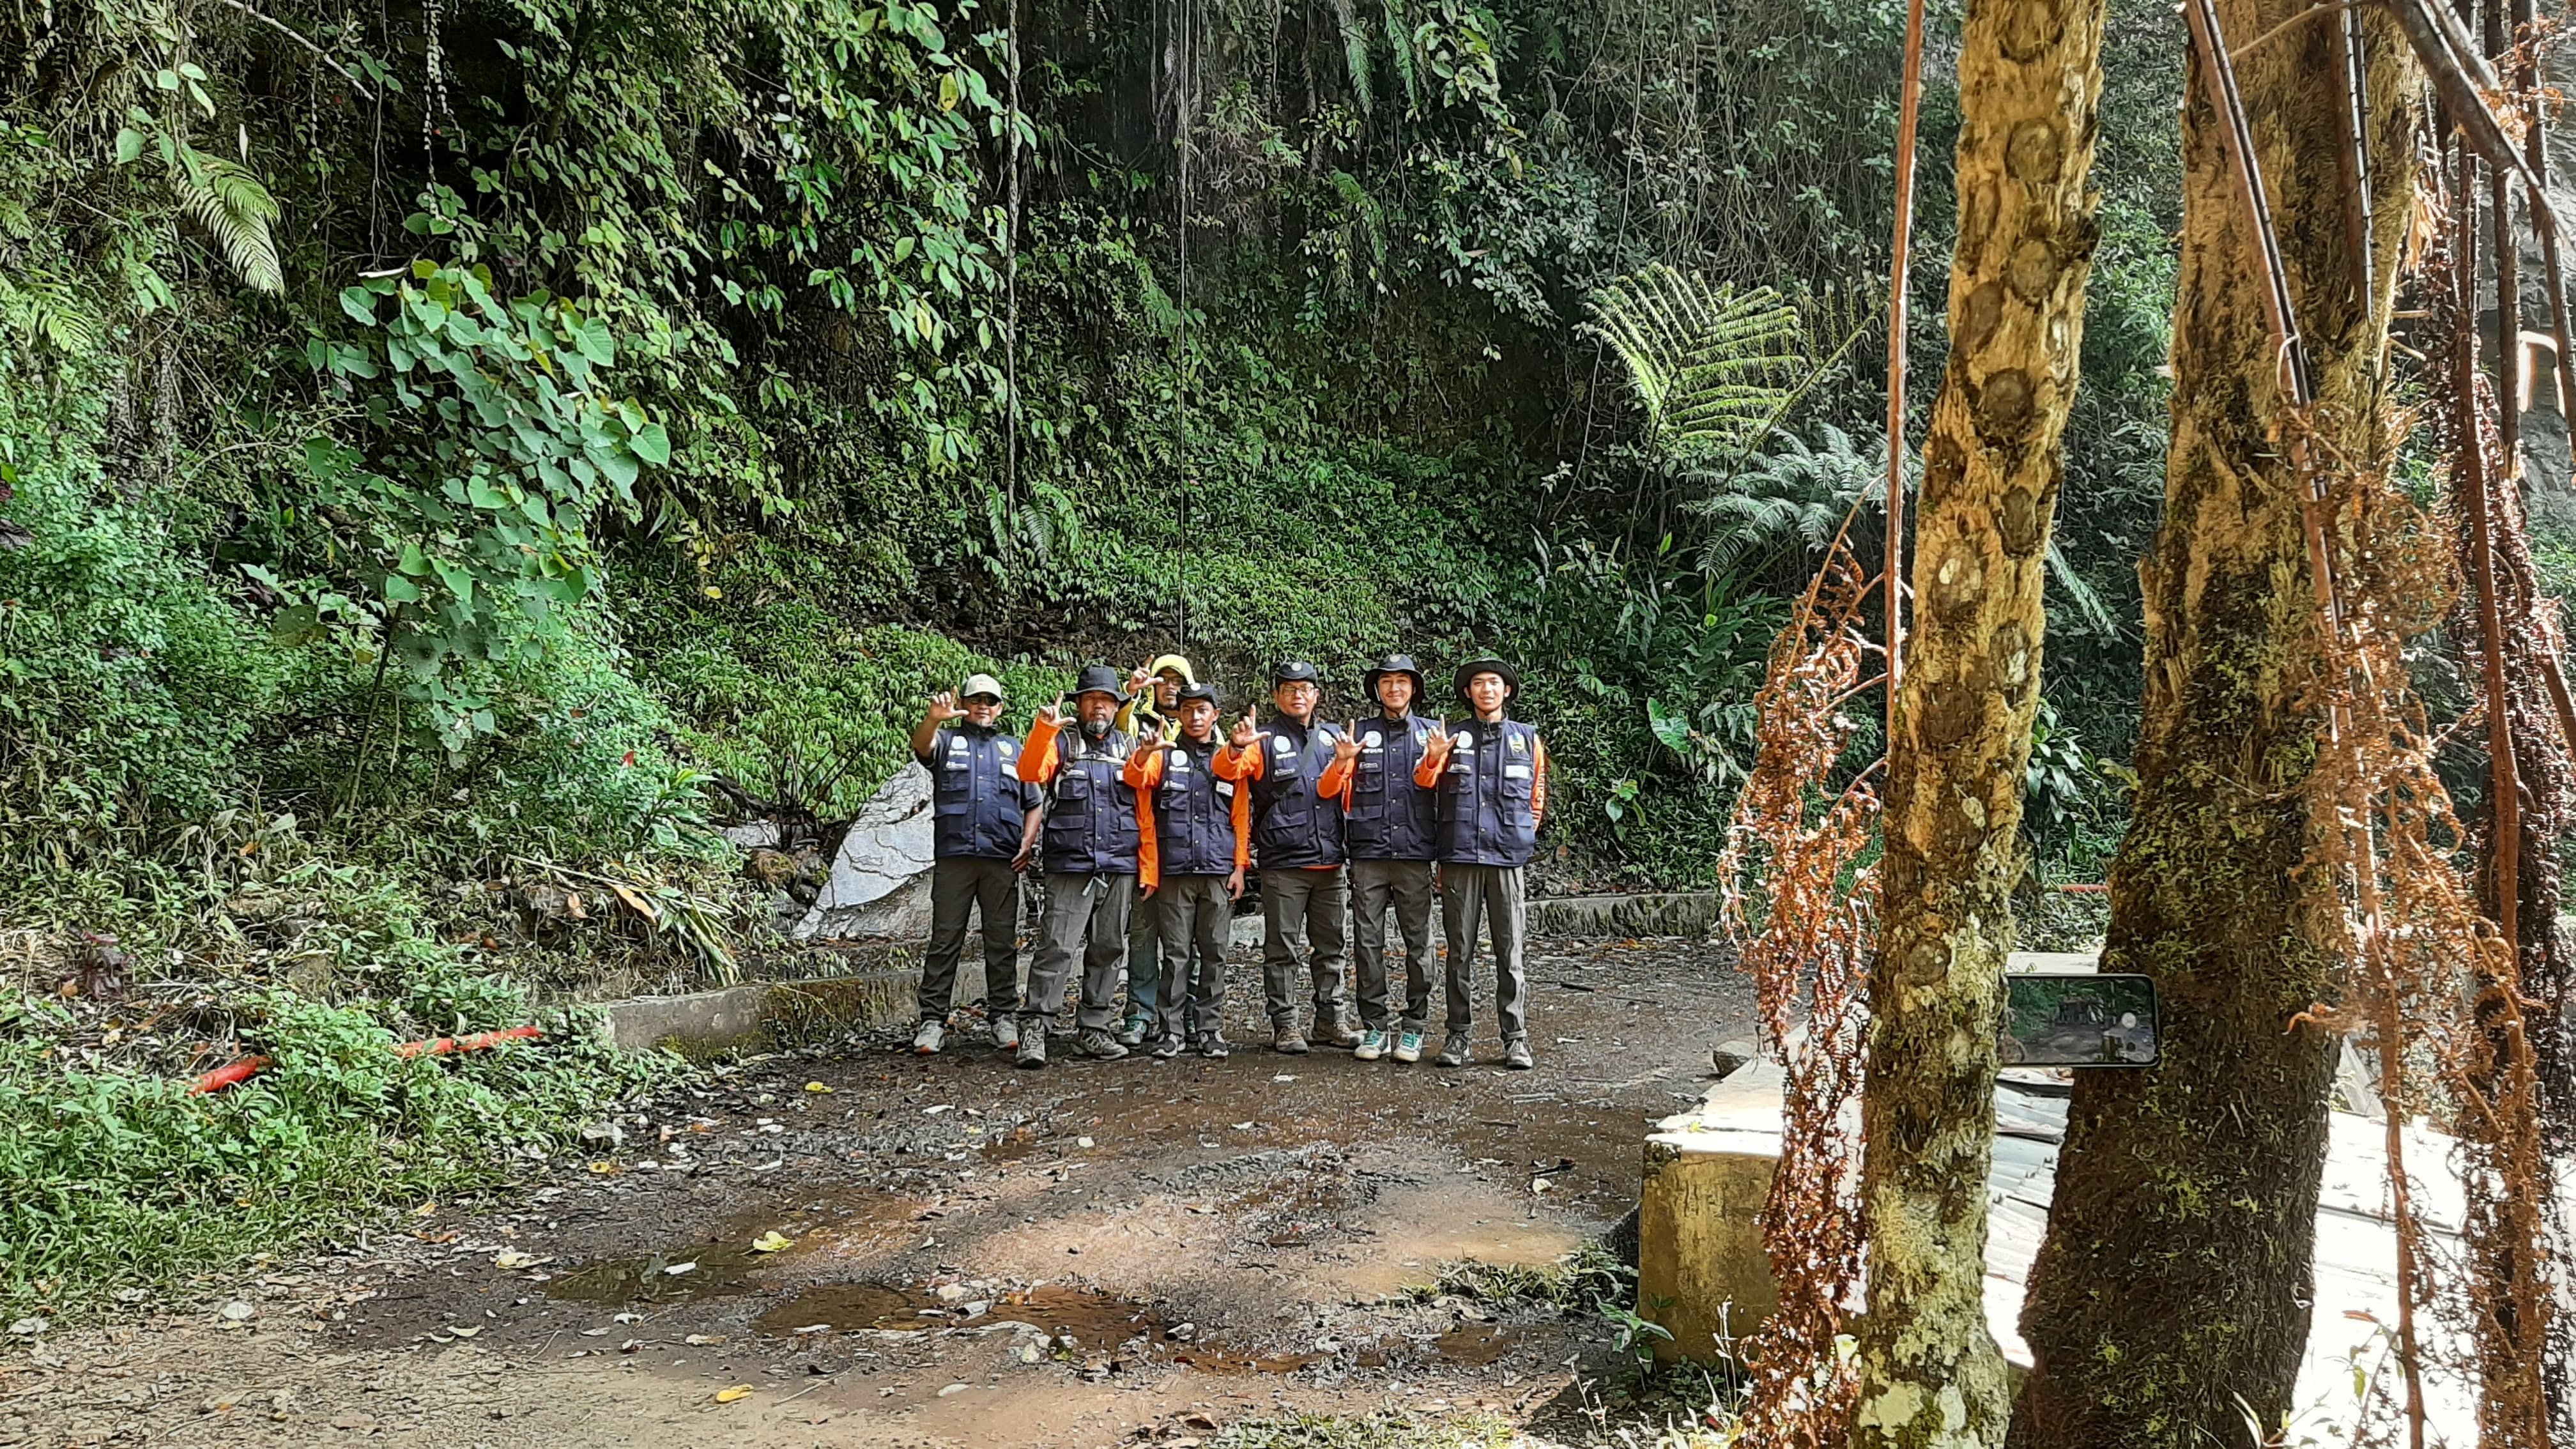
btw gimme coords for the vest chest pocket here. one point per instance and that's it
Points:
(1516, 782)
(1073, 784)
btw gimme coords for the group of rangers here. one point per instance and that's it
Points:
(1142, 819)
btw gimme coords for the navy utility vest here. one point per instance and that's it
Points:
(1193, 812)
(1485, 813)
(1295, 826)
(977, 801)
(1390, 816)
(1091, 821)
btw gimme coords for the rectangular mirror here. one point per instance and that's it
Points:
(2078, 1021)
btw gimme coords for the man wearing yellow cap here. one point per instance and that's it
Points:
(1152, 716)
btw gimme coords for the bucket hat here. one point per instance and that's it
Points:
(1100, 679)
(1488, 664)
(1392, 664)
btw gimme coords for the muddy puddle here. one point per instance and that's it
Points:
(722, 1261)
(1080, 1324)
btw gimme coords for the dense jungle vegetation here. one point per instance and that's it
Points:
(447, 441)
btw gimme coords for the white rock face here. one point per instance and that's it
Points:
(880, 883)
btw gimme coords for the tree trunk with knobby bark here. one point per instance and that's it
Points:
(2171, 1295)
(2030, 83)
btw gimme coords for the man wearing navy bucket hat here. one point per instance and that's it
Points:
(1491, 782)
(1387, 826)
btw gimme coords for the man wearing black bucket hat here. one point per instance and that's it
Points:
(1388, 831)
(1297, 839)
(1491, 779)
(1091, 838)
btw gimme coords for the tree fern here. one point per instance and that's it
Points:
(1711, 365)
(1790, 500)
(1399, 41)
(225, 200)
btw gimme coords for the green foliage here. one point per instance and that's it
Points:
(456, 529)
(120, 1178)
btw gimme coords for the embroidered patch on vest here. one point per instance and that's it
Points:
(1519, 746)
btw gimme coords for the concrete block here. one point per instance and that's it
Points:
(1701, 1269)
(759, 1016)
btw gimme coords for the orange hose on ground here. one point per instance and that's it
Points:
(232, 1073)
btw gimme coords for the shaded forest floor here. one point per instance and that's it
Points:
(1096, 1254)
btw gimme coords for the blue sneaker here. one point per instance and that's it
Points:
(1408, 1046)
(1372, 1046)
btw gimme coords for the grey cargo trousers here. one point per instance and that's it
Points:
(1197, 917)
(1086, 916)
(1305, 910)
(1404, 886)
(1490, 896)
(960, 884)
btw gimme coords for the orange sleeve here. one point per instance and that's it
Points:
(1255, 758)
(1242, 828)
(1336, 782)
(1234, 764)
(1144, 768)
(1538, 784)
(1037, 757)
(1435, 758)
(1149, 852)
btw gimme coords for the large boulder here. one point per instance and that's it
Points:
(880, 884)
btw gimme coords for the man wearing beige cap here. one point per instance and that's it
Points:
(978, 806)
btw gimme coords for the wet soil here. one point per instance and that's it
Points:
(879, 1248)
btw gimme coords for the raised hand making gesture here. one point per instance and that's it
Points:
(1347, 747)
(1246, 734)
(1053, 715)
(944, 707)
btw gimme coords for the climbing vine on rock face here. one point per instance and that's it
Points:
(451, 519)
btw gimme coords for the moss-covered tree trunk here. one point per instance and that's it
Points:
(2176, 1276)
(2030, 83)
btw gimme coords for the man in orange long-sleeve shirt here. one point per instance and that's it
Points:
(1491, 777)
(1092, 835)
(1198, 838)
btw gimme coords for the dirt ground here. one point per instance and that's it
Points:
(1095, 1254)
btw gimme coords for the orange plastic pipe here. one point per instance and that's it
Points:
(232, 1073)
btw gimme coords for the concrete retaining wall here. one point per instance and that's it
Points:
(761, 1016)
(1673, 913)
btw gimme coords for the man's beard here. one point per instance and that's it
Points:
(1094, 729)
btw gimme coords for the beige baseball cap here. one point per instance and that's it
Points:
(982, 684)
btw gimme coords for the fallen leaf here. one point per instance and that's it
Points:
(772, 1241)
(606, 1169)
(738, 1391)
(703, 1340)
(465, 1332)
(818, 1087)
(513, 1258)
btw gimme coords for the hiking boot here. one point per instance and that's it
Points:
(926, 1042)
(1332, 1031)
(1098, 1043)
(1213, 1046)
(1133, 1033)
(1408, 1046)
(1453, 1052)
(1371, 1047)
(1006, 1033)
(1286, 1039)
(1032, 1050)
(1166, 1049)
(1516, 1054)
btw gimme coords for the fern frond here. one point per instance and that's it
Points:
(1354, 49)
(1399, 39)
(41, 309)
(224, 199)
(2088, 603)
(1709, 364)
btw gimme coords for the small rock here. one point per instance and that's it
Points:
(238, 1311)
(976, 1309)
(953, 1292)
(1328, 1345)
(1184, 1332)
(952, 1389)
(28, 1327)
(1029, 1353)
